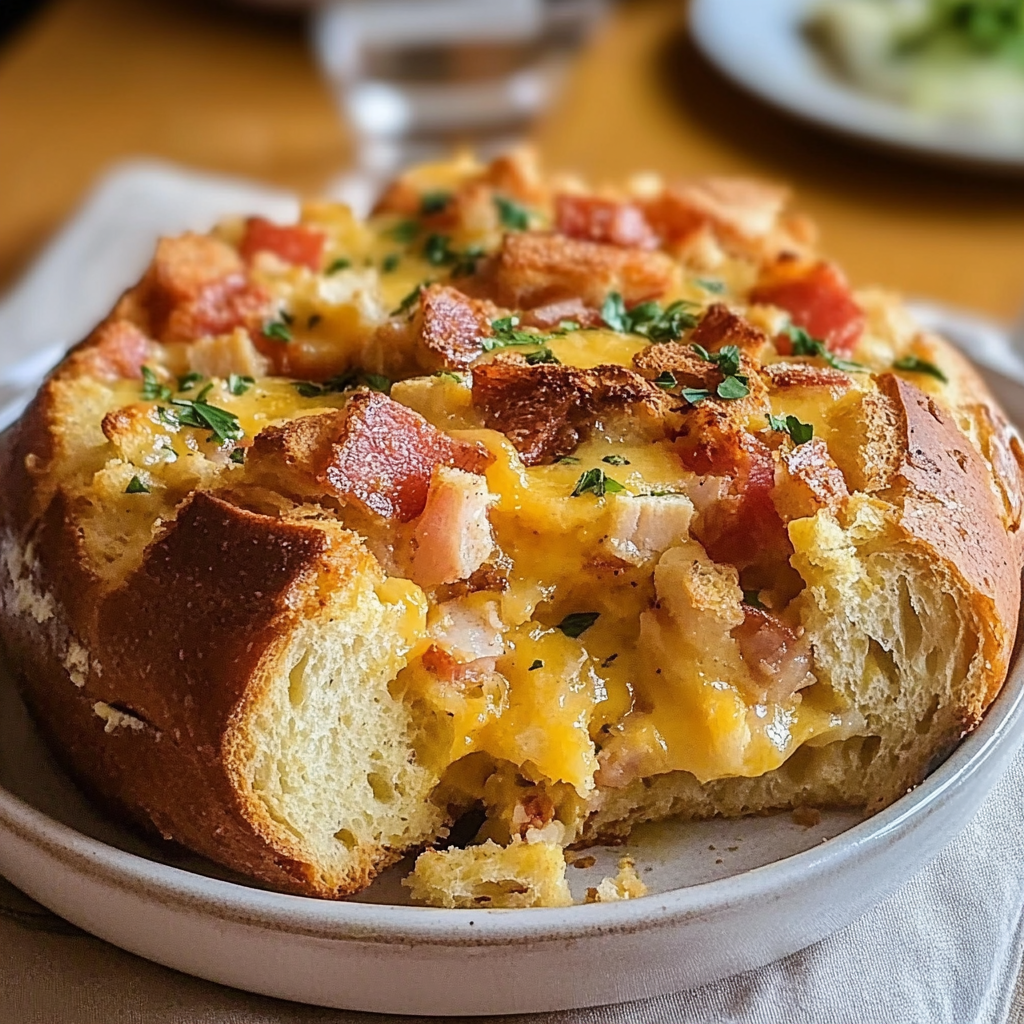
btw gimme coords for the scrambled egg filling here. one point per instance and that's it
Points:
(620, 613)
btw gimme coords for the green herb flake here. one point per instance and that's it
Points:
(238, 456)
(464, 263)
(536, 665)
(307, 388)
(507, 333)
(187, 381)
(377, 382)
(152, 389)
(709, 284)
(800, 432)
(805, 345)
(733, 387)
(695, 395)
(511, 214)
(136, 486)
(436, 250)
(752, 598)
(568, 460)
(577, 623)
(390, 262)
(341, 263)
(410, 300)
(238, 384)
(404, 231)
(666, 380)
(434, 202)
(542, 355)
(594, 481)
(616, 460)
(607, 661)
(648, 319)
(279, 330)
(914, 364)
(449, 375)
(224, 425)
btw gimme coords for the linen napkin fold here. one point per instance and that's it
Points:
(945, 949)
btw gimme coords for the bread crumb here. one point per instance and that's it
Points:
(807, 816)
(584, 862)
(626, 885)
(520, 875)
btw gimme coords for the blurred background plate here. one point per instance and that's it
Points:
(763, 47)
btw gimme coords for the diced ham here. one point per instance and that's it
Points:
(452, 536)
(818, 298)
(385, 455)
(546, 410)
(735, 208)
(778, 656)
(535, 269)
(644, 526)
(604, 220)
(719, 326)
(294, 243)
(449, 327)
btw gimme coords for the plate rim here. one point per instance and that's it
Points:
(998, 736)
(824, 100)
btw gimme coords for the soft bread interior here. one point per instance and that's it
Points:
(326, 751)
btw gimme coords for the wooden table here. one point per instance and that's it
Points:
(93, 81)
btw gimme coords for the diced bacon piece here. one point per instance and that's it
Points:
(197, 287)
(778, 656)
(294, 243)
(743, 528)
(551, 315)
(807, 480)
(116, 351)
(736, 208)
(385, 455)
(646, 525)
(719, 326)
(818, 298)
(546, 410)
(453, 535)
(603, 220)
(535, 269)
(450, 326)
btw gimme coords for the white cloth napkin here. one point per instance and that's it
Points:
(945, 949)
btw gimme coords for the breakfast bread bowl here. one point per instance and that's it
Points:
(553, 508)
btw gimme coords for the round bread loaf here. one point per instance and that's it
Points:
(575, 508)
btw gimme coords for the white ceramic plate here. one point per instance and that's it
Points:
(760, 45)
(725, 896)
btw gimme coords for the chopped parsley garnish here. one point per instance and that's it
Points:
(152, 389)
(343, 382)
(914, 364)
(341, 263)
(616, 460)
(238, 456)
(542, 355)
(568, 460)
(710, 285)
(449, 375)
(695, 395)
(536, 665)
(464, 263)
(410, 300)
(511, 214)
(752, 598)
(188, 380)
(805, 345)
(566, 327)
(404, 231)
(436, 250)
(223, 425)
(578, 623)
(594, 481)
(390, 262)
(800, 432)
(136, 486)
(648, 319)
(507, 333)
(434, 202)
(279, 330)
(727, 359)
(238, 383)
(665, 380)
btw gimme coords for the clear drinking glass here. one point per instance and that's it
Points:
(416, 78)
